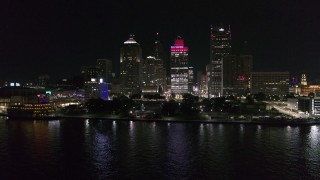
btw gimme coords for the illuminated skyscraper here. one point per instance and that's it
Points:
(160, 64)
(149, 75)
(154, 72)
(130, 67)
(179, 68)
(220, 45)
(304, 80)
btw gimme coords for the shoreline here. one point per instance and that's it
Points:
(281, 122)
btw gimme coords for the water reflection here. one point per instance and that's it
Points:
(94, 149)
(177, 152)
(201, 130)
(241, 129)
(314, 136)
(102, 155)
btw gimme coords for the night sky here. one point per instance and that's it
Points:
(58, 37)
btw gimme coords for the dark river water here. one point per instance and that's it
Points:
(96, 149)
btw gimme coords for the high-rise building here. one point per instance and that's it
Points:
(190, 79)
(160, 64)
(92, 81)
(304, 80)
(105, 66)
(89, 72)
(154, 72)
(270, 83)
(179, 68)
(149, 75)
(220, 45)
(130, 67)
(236, 74)
(202, 84)
(95, 88)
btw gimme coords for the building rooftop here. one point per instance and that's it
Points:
(131, 40)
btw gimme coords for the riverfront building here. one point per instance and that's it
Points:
(179, 68)
(270, 83)
(154, 72)
(220, 46)
(130, 67)
(236, 74)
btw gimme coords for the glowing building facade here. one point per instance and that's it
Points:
(95, 89)
(130, 67)
(304, 80)
(179, 68)
(220, 46)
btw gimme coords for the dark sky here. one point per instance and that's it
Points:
(58, 37)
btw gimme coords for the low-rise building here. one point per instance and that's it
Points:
(270, 83)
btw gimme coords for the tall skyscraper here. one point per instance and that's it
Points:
(220, 45)
(179, 68)
(130, 67)
(236, 74)
(160, 64)
(154, 72)
(149, 75)
(105, 66)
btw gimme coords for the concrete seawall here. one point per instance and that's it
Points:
(270, 121)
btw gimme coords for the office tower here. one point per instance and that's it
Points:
(89, 72)
(190, 79)
(202, 84)
(236, 74)
(270, 83)
(92, 79)
(130, 67)
(304, 80)
(95, 88)
(154, 75)
(105, 66)
(179, 68)
(220, 45)
(160, 77)
(149, 75)
(230, 74)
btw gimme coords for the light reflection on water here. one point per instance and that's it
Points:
(314, 137)
(97, 149)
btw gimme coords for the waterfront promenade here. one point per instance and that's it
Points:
(181, 119)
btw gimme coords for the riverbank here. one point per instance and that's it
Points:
(265, 121)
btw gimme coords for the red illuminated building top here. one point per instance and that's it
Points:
(179, 46)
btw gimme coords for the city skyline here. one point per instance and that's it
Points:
(58, 38)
